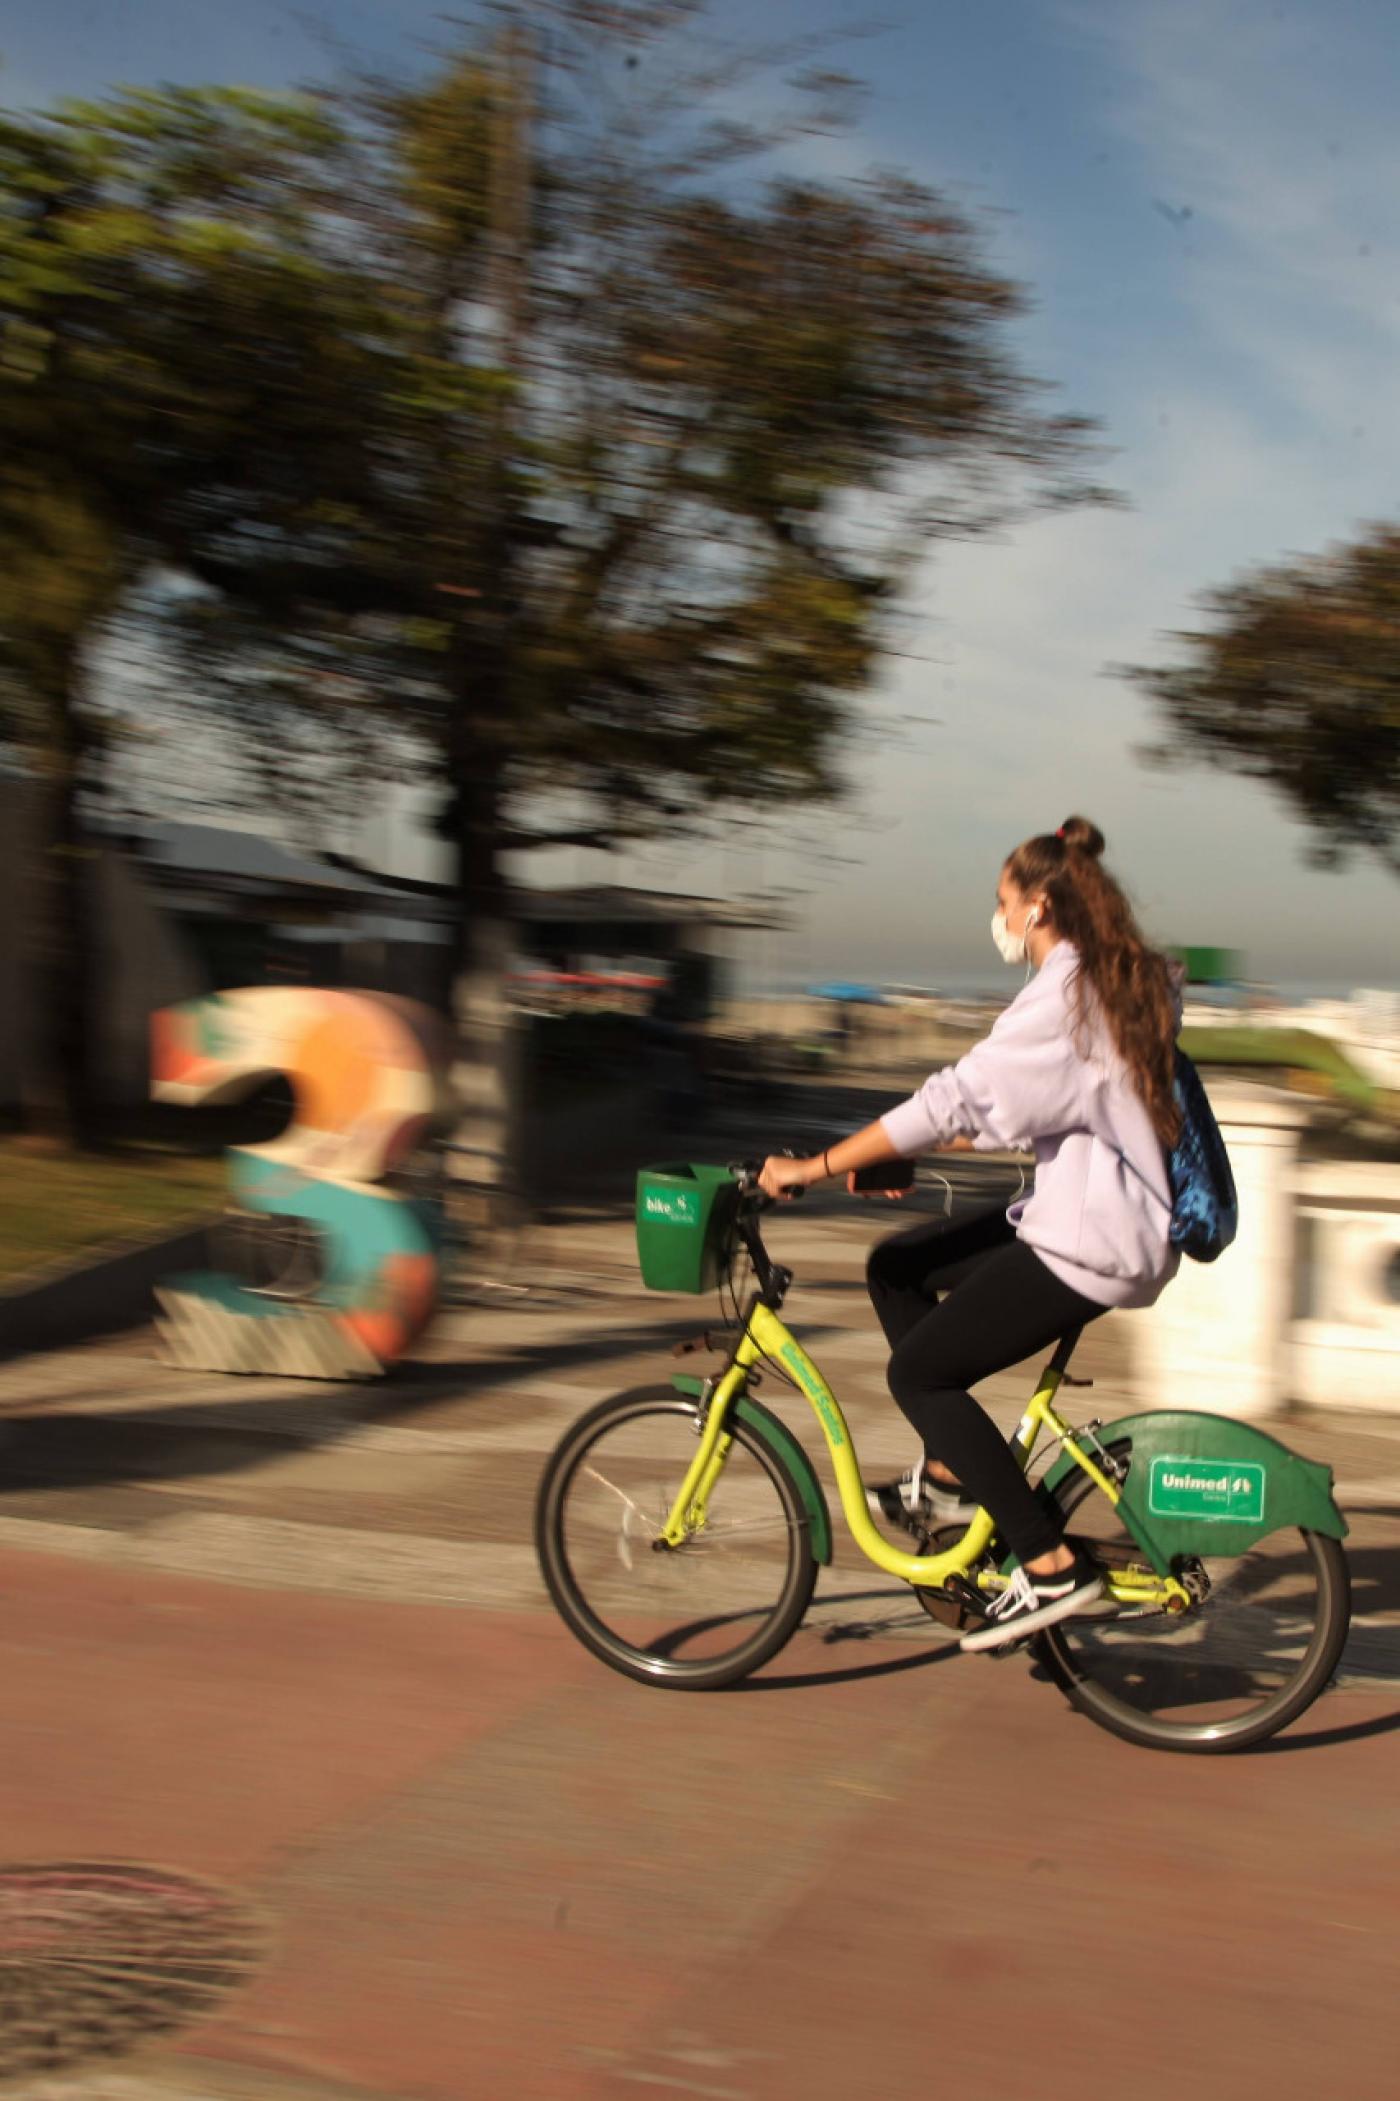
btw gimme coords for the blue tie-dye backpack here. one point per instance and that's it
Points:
(1205, 1208)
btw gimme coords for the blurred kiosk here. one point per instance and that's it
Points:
(1219, 1337)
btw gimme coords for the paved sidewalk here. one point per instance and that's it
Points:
(494, 1869)
(419, 1488)
(292, 1639)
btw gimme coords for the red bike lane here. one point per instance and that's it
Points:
(490, 1867)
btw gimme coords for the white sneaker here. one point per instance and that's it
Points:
(916, 1502)
(1030, 1602)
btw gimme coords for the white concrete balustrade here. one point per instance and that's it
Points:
(1218, 1337)
(1344, 1349)
(1305, 1307)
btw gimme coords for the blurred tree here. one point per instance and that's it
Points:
(664, 446)
(178, 362)
(504, 414)
(1296, 683)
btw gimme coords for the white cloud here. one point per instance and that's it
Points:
(1263, 420)
(1276, 131)
(1019, 633)
(1248, 356)
(1248, 362)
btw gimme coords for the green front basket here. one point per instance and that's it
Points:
(684, 1220)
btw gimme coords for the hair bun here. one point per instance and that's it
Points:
(1077, 831)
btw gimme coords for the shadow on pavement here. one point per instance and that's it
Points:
(1375, 1570)
(892, 1666)
(70, 1448)
(941, 1644)
(1323, 1739)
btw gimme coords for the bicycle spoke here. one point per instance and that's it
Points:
(692, 1608)
(593, 1474)
(747, 1528)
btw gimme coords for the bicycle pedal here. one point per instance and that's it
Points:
(969, 1596)
(940, 1605)
(955, 1603)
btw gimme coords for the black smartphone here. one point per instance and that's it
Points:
(885, 1174)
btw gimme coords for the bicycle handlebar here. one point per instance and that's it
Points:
(746, 1174)
(773, 1279)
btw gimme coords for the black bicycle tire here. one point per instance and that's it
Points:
(569, 1600)
(1209, 1739)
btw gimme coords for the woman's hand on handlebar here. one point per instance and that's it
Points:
(785, 1178)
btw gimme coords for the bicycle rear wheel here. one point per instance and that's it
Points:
(1257, 1648)
(696, 1616)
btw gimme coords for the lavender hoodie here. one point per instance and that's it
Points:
(1098, 1213)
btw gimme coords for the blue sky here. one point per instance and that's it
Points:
(1203, 197)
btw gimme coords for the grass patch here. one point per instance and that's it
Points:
(1292, 1051)
(55, 1205)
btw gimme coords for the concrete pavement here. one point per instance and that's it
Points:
(291, 1639)
(494, 1869)
(419, 1487)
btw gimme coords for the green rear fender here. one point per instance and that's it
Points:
(1202, 1484)
(779, 1439)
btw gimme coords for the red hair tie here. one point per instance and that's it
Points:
(1059, 831)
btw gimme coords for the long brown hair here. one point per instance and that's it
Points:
(1130, 982)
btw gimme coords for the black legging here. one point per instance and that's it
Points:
(959, 1302)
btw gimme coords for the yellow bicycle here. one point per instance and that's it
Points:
(680, 1527)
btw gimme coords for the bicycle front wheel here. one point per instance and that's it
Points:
(697, 1616)
(1261, 1642)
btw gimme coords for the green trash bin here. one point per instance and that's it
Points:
(685, 1215)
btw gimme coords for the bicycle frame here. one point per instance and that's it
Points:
(765, 1336)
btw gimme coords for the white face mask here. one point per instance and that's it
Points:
(1012, 947)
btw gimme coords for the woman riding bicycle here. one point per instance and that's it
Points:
(1079, 1069)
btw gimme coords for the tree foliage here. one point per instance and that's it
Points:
(660, 448)
(1296, 682)
(175, 351)
(502, 420)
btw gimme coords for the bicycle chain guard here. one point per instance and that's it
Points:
(956, 1603)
